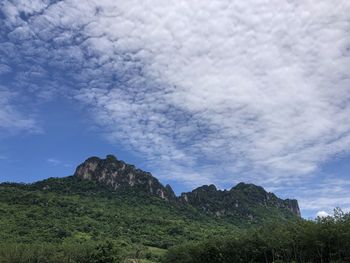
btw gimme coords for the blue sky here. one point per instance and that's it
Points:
(195, 92)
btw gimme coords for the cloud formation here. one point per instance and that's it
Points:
(206, 91)
(326, 194)
(57, 162)
(12, 120)
(322, 214)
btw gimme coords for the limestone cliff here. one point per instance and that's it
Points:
(242, 201)
(121, 176)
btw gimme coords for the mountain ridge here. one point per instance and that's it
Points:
(112, 177)
(108, 199)
(234, 202)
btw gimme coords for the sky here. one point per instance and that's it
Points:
(196, 92)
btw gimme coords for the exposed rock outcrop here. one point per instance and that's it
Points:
(242, 200)
(120, 176)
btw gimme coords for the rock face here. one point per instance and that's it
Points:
(240, 200)
(121, 176)
(293, 206)
(243, 200)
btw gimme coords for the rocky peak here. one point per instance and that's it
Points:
(122, 176)
(260, 195)
(199, 194)
(248, 187)
(205, 190)
(293, 206)
(241, 199)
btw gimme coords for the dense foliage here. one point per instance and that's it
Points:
(73, 220)
(324, 240)
(69, 220)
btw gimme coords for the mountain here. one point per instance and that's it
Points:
(122, 176)
(109, 200)
(241, 201)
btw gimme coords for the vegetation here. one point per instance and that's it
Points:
(323, 240)
(70, 220)
(73, 220)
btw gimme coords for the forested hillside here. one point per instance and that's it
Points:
(324, 240)
(110, 211)
(58, 220)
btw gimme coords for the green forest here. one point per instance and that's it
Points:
(71, 220)
(324, 240)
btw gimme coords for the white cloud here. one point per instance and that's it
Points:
(53, 161)
(57, 162)
(270, 90)
(322, 214)
(11, 120)
(318, 193)
(256, 88)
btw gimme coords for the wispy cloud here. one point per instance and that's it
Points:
(327, 194)
(57, 162)
(53, 161)
(317, 193)
(260, 89)
(12, 120)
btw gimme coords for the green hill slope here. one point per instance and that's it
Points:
(76, 209)
(112, 205)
